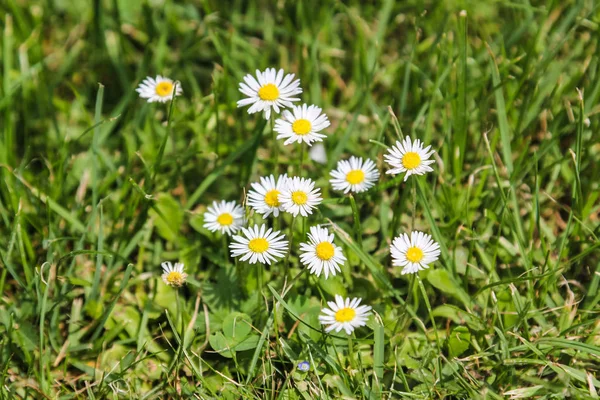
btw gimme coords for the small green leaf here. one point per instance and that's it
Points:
(458, 341)
(167, 216)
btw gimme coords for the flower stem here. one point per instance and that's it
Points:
(414, 202)
(275, 145)
(301, 164)
(356, 215)
(437, 338)
(286, 265)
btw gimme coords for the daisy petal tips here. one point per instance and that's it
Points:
(409, 157)
(414, 253)
(354, 175)
(302, 124)
(346, 314)
(159, 89)
(320, 254)
(259, 244)
(173, 275)
(225, 217)
(300, 196)
(269, 90)
(264, 195)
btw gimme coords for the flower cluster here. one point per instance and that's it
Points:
(274, 92)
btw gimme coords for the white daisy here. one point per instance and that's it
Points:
(303, 124)
(344, 314)
(159, 89)
(173, 275)
(300, 196)
(269, 90)
(354, 175)
(225, 217)
(321, 253)
(409, 157)
(414, 253)
(259, 244)
(264, 196)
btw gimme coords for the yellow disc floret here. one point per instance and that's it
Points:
(301, 127)
(325, 251)
(268, 92)
(355, 177)
(164, 88)
(411, 160)
(272, 198)
(258, 245)
(225, 219)
(414, 254)
(345, 314)
(299, 197)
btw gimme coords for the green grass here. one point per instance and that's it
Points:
(99, 187)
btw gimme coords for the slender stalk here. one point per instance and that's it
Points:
(286, 265)
(437, 338)
(225, 249)
(351, 352)
(414, 202)
(301, 163)
(275, 145)
(356, 215)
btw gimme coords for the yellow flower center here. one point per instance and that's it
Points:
(175, 278)
(355, 177)
(411, 160)
(299, 197)
(258, 245)
(225, 219)
(325, 251)
(414, 254)
(345, 314)
(268, 92)
(301, 127)
(272, 198)
(164, 89)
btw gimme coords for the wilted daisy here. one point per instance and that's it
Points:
(173, 275)
(159, 89)
(344, 314)
(264, 196)
(300, 196)
(302, 124)
(354, 175)
(259, 244)
(320, 253)
(318, 154)
(409, 157)
(414, 253)
(269, 90)
(225, 217)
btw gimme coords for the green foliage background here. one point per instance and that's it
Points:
(93, 199)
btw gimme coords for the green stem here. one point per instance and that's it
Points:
(437, 338)
(356, 215)
(301, 164)
(275, 145)
(286, 265)
(414, 202)
(351, 352)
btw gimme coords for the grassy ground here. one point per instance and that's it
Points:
(507, 93)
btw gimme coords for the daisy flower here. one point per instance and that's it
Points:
(259, 244)
(303, 124)
(264, 196)
(409, 157)
(354, 175)
(300, 196)
(269, 90)
(344, 314)
(414, 253)
(320, 253)
(173, 275)
(159, 89)
(225, 217)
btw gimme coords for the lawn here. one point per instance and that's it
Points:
(497, 297)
